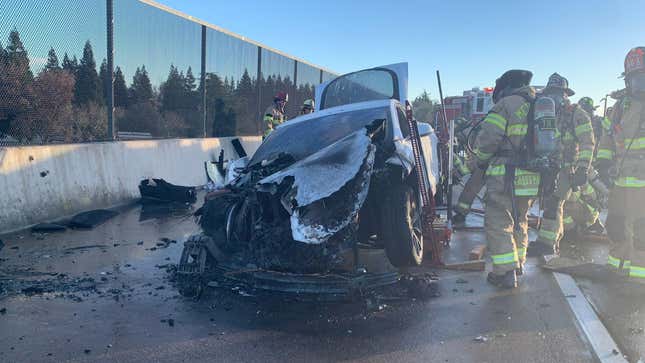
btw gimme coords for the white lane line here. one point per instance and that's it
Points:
(602, 343)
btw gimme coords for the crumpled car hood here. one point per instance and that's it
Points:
(326, 190)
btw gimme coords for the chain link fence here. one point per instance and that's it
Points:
(172, 77)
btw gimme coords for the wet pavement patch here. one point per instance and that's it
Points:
(48, 227)
(92, 218)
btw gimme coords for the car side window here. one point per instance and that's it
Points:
(403, 122)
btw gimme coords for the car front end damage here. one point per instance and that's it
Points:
(298, 225)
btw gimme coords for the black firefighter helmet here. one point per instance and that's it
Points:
(511, 80)
(556, 81)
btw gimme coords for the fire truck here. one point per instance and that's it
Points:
(473, 105)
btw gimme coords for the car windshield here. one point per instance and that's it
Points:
(368, 85)
(302, 139)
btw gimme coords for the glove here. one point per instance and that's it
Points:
(579, 177)
(604, 167)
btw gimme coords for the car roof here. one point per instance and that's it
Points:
(340, 109)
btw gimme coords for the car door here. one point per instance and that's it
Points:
(385, 82)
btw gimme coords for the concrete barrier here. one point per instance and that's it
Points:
(41, 183)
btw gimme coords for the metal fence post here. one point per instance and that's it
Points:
(110, 65)
(203, 78)
(259, 91)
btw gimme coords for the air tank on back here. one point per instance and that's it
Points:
(545, 140)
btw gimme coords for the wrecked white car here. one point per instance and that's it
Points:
(324, 185)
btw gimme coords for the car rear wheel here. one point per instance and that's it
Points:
(401, 226)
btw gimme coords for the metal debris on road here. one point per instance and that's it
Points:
(481, 339)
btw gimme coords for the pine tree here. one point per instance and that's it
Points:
(52, 61)
(88, 85)
(190, 80)
(191, 96)
(173, 90)
(104, 76)
(422, 107)
(17, 56)
(16, 89)
(246, 104)
(141, 89)
(120, 89)
(3, 54)
(67, 64)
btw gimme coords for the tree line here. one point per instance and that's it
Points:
(66, 101)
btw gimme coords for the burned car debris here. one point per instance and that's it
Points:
(319, 189)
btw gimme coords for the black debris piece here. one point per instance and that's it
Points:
(239, 149)
(3, 311)
(421, 287)
(165, 242)
(82, 248)
(92, 218)
(33, 290)
(44, 173)
(160, 191)
(1, 245)
(220, 162)
(171, 322)
(48, 227)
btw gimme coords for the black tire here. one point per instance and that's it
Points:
(401, 226)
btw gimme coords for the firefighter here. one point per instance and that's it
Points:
(510, 190)
(605, 151)
(570, 171)
(463, 166)
(625, 216)
(470, 191)
(582, 212)
(586, 103)
(582, 208)
(274, 114)
(307, 107)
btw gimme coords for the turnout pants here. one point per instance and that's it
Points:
(626, 229)
(506, 234)
(557, 190)
(472, 187)
(578, 213)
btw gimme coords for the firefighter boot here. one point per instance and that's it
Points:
(505, 281)
(538, 249)
(596, 228)
(519, 271)
(459, 219)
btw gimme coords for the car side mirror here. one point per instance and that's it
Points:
(424, 129)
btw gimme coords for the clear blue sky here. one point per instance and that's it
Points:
(470, 42)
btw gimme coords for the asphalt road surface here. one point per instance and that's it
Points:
(106, 295)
